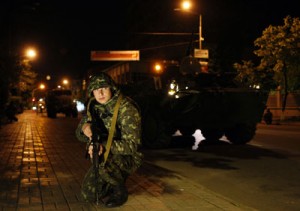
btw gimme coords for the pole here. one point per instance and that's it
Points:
(33, 91)
(200, 32)
(32, 96)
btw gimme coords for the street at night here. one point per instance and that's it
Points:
(43, 164)
(263, 174)
(207, 90)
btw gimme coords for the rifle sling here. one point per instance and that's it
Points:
(112, 129)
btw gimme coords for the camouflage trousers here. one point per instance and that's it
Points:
(114, 173)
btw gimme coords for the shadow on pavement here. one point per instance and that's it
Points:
(215, 155)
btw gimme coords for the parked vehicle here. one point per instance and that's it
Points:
(60, 101)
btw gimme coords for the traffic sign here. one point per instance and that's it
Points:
(115, 55)
(201, 53)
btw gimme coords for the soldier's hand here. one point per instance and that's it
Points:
(90, 150)
(101, 150)
(87, 130)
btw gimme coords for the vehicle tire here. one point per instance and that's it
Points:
(241, 133)
(153, 133)
(212, 134)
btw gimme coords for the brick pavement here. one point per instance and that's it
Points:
(42, 165)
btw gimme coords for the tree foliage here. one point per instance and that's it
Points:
(4, 84)
(27, 76)
(17, 78)
(279, 53)
(279, 49)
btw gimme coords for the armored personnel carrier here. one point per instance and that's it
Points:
(182, 98)
(60, 101)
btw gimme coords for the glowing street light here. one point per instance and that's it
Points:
(186, 6)
(200, 53)
(42, 86)
(65, 82)
(30, 53)
(158, 68)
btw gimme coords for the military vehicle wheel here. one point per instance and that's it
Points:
(153, 134)
(212, 134)
(241, 134)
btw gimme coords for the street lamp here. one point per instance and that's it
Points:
(157, 70)
(65, 83)
(198, 53)
(186, 6)
(200, 32)
(30, 53)
(41, 87)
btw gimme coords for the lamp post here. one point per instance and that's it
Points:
(201, 54)
(42, 86)
(157, 69)
(200, 31)
(186, 6)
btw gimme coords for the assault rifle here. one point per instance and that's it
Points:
(99, 135)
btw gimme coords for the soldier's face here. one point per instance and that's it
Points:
(102, 95)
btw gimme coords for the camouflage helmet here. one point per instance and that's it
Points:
(99, 81)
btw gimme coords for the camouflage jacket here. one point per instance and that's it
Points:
(128, 125)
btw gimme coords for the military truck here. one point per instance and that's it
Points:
(184, 98)
(60, 101)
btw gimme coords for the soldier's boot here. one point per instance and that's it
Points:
(118, 196)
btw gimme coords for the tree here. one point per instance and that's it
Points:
(27, 79)
(279, 50)
(17, 78)
(4, 84)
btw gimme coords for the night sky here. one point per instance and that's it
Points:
(64, 32)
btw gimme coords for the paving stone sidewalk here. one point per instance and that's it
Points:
(42, 165)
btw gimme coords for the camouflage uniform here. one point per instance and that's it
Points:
(124, 157)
